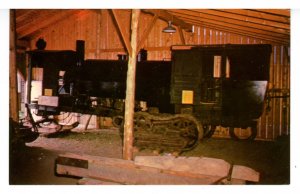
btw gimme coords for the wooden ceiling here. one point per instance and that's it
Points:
(272, 25)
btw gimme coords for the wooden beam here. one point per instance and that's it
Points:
(91, 181)
(38, 24)
(245, 34)
(130, 89)
(240, 30)
(164, 15)
(246, 20)
(122, 31)
(204, 165)
(23, 14)
(38, 16)
(120, 171)
(153, 170)
(280, 12)
(109, 50)
(147, 32)
(181, 35)
(159, 48)
(75, 15)
(182, 47)
(255, 28)
(244, 173)
(23, 43)
(257, 14)
(13, 82)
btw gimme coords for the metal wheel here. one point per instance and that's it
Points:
(117, 121)
(248, 133)
(188, 130)
(27, 134)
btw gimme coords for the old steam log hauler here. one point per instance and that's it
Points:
(178, 102)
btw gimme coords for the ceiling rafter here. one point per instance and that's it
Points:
(37, 33)
(260, 15)
(199, 16)
(122, 31)
(164, 15)
(147, 32)
(32, 19)
(37, 24)
(254, 31)
(242, 33)
(281, 12)
(271, 25)
(23, 15)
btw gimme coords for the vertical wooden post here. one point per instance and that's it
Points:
(29, 79)
(130, 89)
(13, 84)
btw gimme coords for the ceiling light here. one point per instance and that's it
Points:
(169, 28)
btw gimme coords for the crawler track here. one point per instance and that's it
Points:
(166, 132)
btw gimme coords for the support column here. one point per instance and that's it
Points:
(130, 89)
(13, 83)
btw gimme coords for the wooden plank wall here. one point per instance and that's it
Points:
(102, 42)
(276, 121)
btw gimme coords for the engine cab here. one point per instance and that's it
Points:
(220, 84)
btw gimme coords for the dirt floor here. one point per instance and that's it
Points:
(34, 163)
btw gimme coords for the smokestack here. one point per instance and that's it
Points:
(80, 51)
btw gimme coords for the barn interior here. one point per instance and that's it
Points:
(44, 39)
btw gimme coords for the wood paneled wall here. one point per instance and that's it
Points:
(102, 41)
(276, 118)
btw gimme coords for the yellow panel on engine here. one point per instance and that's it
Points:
(187, 97)
(48, 92)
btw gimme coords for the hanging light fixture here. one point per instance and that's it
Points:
(169, 28)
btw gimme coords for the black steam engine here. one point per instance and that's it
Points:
(178, 102)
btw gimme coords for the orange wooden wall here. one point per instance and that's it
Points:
(102, 41)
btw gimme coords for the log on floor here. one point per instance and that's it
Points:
(127, 172)
(201, 165)
(244, 173)
(90, 181)
(191, 165)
